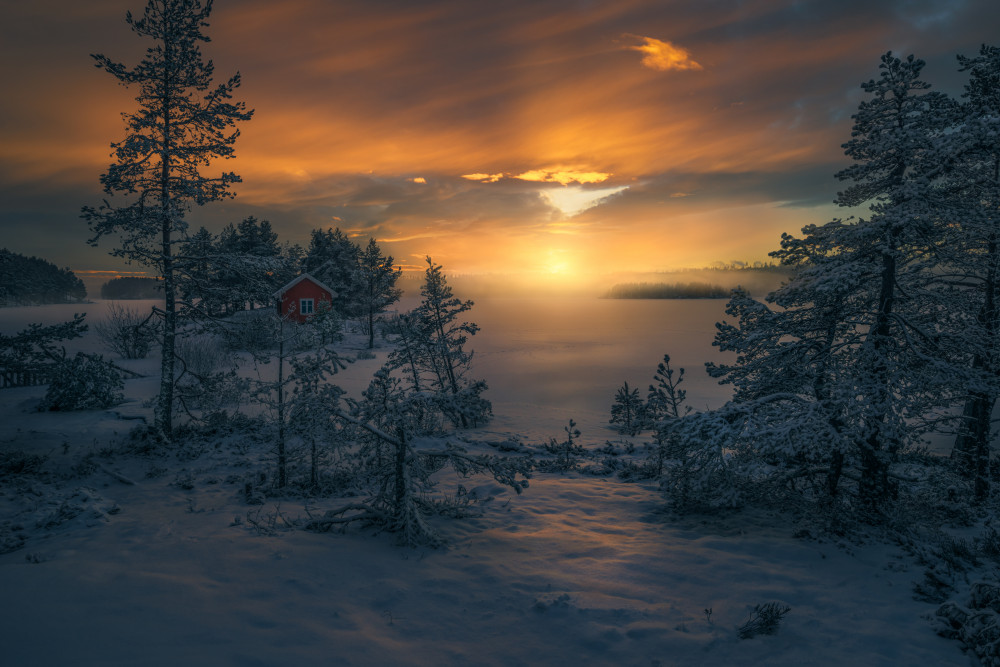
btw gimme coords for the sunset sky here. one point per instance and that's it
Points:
(551, 138)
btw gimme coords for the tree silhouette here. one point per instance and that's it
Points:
(183, 123)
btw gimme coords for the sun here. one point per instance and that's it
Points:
(558, 268)
(556, 263)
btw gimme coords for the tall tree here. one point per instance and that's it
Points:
(973, 254)
(378, 282)
(333, 259)
(893, 148)
(444, 336)
(838, 375)
(183, 123)
(249, 261)
(201, 279)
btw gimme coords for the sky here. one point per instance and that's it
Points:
(553, 139)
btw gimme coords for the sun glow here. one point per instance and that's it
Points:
(558, 264)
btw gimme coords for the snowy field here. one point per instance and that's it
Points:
(578, 570)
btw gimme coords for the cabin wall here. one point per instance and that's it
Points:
(303, 290)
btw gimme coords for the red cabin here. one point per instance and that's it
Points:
(302, 297)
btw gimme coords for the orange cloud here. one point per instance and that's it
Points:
(483, 178)
(563, 176)
(663, 56)
(352, 102)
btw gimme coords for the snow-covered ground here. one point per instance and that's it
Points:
(578, 570)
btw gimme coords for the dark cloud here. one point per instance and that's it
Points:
(357, 98)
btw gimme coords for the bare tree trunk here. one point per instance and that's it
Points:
(282, 455)
(400, 473)
(972, 445)
(371, 328)
(165, 405)
(875, 486)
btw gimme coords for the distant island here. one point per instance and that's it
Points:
(131, 288)
(667, 291)
(32, 281)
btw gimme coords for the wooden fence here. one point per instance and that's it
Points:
(10, 377)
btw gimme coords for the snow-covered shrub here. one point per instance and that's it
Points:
(665, 400)
(664, 406)
(17, 462)
(764, 620)
(397, 467)
(251, 331)
(206, 379)
(127, 332)
(976, 622)
(628, 411)
(32, 355)
(703, 469)
(430, 352)
(324, 327)
(202, 354)
(85, 382)
(311, 408)
(609, 460)
(567, 453)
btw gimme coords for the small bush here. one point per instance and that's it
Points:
(127, 332)
(85, 382)
(628, 411)
(203, 354)
(17, 462)
(251, 331)
(567, 453)
(976, 623)
(764, 620)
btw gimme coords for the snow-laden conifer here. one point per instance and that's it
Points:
(970, 257)
(430, 352)
(378, 285)
(838, 369)
(628, 410)
(182, 124)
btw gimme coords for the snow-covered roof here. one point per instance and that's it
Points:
(299, 278)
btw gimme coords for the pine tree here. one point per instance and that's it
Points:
(314, 402)
(378, 281)
(895, 159)
(839, 371)
(33, 353)
(444, 337)
(247, 258)
(182, 124)
(292, 384)
(664, 408)
(627, 410)
(973, 256)
(332, 258)
(399, 468)
(201, 283)
(665, 398)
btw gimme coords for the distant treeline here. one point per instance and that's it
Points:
(667, 291)
(131, 288)
(760, 267)
(30, 281)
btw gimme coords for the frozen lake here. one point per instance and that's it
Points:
(566, 356)
(572, 354)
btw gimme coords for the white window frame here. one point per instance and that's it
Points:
(306, 306)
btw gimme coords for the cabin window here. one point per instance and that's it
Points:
(306, 306)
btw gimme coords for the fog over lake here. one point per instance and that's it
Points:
(563, 355)
(573, 353)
